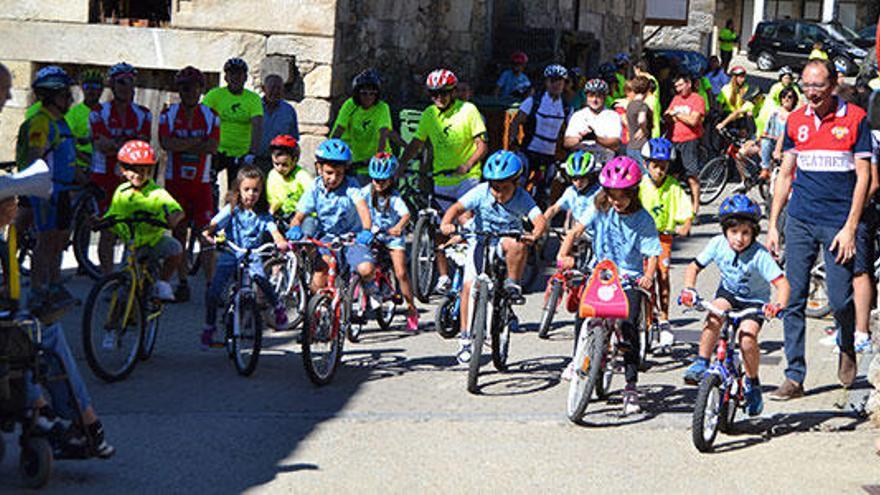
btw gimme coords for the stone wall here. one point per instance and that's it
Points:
(313, 17)
(41, 10)
(617, 25)
(698, 33)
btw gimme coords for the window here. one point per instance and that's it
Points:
(767, 30)
(812, 33)
(152, 13)
(785, 31)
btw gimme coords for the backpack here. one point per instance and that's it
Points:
(532, 120)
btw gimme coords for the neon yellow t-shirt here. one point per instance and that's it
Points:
(236, 113)
(818, 54)
(362, 126)
(78, 120)
(668, 204)
(452, 133)
(33, 110)
(283, 193)
(152, 199)
(726, 40)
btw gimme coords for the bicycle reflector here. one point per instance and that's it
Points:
(603, 296)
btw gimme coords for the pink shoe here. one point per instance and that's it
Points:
(412, 322)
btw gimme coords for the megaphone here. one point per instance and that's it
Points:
(36, 180)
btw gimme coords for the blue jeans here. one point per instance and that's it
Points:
(55, 345)
(637, 156)
(802, 242)
(223, 276)
(767, 147)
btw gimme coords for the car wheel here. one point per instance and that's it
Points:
(766, 61)
(844, 65)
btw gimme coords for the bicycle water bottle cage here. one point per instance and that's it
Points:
(603, 296)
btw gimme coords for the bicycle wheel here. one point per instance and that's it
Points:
(609, 360)
(589, 356)
(85, 248)
(245, 338)
(290, 289)
(112, 334)
(708, 411)
(818, 303)
(357, 303)
(501, 320)
(713, 178)
(478, 334)
(322, 339)
(153, 313)
(193, 252)
(423, 259)
(550, 305)
(388, 308)
(646, 321)
(447, 324)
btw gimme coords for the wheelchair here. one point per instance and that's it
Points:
(21, 359)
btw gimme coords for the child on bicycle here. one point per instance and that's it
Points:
(771, 148)
(747, 271)
(245, 219)
(499, 205)
(666, 201)
(390, 215)
(582, 168)
(286, 182)
(140, 195)
(336, 200)
(624, 233)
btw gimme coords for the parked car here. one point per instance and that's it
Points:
(790, 41)
(688, 60)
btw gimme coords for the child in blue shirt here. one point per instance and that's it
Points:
(498, 205)
(390, 215)
(747, 271)
(582, 168)
(624, 233)
(336, 200)
(244, 219)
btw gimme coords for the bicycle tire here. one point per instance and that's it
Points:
(246, 312)
(478, 332)
(151, 333)
(817, 307)
(321, 316)
(713, 177)
(120, 282)
(550, 305)
(388, 308)
(290, 289)
(423, 259)
(500, 328)
(444, 324)
(589, 361)
(646, 320)
(193, 258)
(708, 410)
(82, 239)
(356, 305)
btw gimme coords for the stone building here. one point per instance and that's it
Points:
(316, 45)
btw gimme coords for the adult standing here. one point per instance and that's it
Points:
(279, 119)
(727, 39)
(364, 123)
(595, 128)
(92, 84)
(828, 142)
(717, 75)
(685, 116)
(241, 119)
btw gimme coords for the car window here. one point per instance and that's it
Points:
(840, 31)
(812, 33)
(767, 30)
(785, 32)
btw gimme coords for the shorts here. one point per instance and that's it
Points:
(165, 248)
(475, 255)
(688, 161)
(54, 213)
(456, 191)
(354, 255)
(738, 305)
(108, 183)
(863, 261)
(665, 258)
(195, 198)
(395, 242)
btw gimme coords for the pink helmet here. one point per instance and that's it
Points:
(621, 172)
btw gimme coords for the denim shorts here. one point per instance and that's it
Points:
(738, 305)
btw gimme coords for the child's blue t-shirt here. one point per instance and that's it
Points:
(577, 202)
(624, 239)
(336, 210)
(244, 227)
(747, 275)
(387, 212)
(492, 216)
(509, 81)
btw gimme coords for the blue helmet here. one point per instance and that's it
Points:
(52, 78)
(502, 165)
(555, 70)
(333, 150)
(235, 63)
(368, 77)
(658, 149)
(121, 70)
(739, 206)
(581, 163)
(383, 166)
(607, 70)
(621, 59)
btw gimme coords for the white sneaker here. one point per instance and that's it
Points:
(667, 338)
(631, 401)
(443, 284)
(163, 291)
(829, 340)
(109, 341)
(568, 372)
(465, 349)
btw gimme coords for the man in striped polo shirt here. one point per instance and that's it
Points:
(827, 146)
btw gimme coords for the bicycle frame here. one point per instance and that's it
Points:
(141, 278)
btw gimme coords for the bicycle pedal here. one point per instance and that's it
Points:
(518, 300)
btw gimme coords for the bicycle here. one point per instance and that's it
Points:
(565, 284)
(818, 301)
(327, 317)
(389, 293)
(127, 328)
(86, 213)
(289, 275)
(721, 389)
(714, 174)
(492, 307)
(447, 316)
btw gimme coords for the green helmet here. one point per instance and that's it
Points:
(581, 163)
(92, 76)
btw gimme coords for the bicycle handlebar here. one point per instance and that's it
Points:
(703, 305)
(136, 218)
(228, 245)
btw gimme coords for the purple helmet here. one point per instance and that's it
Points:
(621, 172)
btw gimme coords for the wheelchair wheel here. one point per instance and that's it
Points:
(35, 464)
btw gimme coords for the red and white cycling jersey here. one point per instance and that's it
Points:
(187, 167)
(134, 122)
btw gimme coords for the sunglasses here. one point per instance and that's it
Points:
(436, 93)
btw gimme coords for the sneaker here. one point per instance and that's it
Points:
(667, 338)
(465, 349)
(789, 389)
(514, 291)
(443, 284)
(412, 321)
(568, 372)
(163, 291)
(754, 398)
(280, 316)
(862, 342)
(77, 442)
(631, 400)
(695, 372)
(208, 341)
(741, 187)
(181, 293)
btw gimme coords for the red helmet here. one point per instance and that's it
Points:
(189, 75)
(441, 79)
(136, 152)
(737, 70)
(519, 58)
(284, 141)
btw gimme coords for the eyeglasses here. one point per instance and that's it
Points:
(814, 86)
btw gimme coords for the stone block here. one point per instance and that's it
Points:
(280, 65)
(458, 18)
(10, 119)
(317, 130)
(55, 10)
(22, 72)
(308, 143)
(316, 17)
(318, 82)
(314, 48)
(313, 111)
